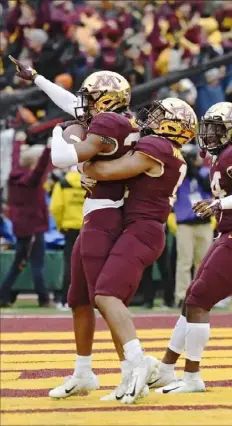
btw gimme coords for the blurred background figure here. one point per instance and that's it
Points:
(66, 208)
(28, 213)
(210, 93)
(194, 235)
(167, 285)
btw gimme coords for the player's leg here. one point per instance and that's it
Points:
(212, 284)
(99, 235)
(84, 326)
(184, 247)
(116, 286)
(166, 372)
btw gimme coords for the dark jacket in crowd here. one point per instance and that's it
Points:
(27, 205)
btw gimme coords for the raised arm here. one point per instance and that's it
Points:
(61, 97)
(126, 167)
(34, 178)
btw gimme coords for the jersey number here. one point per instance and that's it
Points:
(182, 170)
(131, 139)
(215, 186)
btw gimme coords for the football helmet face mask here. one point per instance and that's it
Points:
(215, 128)
(171, 118)
(102, 91)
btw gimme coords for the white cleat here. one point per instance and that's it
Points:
(161, 378)
(75, 385)
(183, 386)
(120, 391)
(139, 377)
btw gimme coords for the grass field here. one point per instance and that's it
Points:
(38, 351)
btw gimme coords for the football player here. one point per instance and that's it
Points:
(153, 170)
(110, 135)
(213, 279)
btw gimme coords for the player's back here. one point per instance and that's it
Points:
(221, 185)
(152, 196)
(119, 131)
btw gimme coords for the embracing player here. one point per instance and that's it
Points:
(153, 171)
(103, 103)
(213, 279)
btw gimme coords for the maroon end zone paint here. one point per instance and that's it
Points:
(13, 325)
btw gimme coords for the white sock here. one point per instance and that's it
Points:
(125, 368)
(133, 351)
(191, 376)
(177, 341)
(166, 368)
(83, 365)
(197, 335)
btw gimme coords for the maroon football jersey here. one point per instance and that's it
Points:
(221, 185)
(121, 129)
(152, 196)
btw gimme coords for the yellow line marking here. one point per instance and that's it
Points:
(165, 332)
(105, 379)
(9, 376)
(143, 417)
(104, 345)
(21, 358)
(112, 363)
(213, 396)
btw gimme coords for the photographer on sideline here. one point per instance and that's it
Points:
(194, 235)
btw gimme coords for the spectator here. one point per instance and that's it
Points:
(210, 93)
(66, 207)
(194, 235)
(28, 213)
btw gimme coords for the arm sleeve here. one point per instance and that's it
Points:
(61, 97)
(63, 154)
(35, 177)
(226, 202)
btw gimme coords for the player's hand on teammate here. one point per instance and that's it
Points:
(24, 71)
(206, 208)
(87, 183)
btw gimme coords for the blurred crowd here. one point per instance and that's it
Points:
(65, 41)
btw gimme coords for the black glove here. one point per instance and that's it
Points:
(24, 71)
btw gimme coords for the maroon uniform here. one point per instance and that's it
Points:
(118, 129)
(221, 185)
(146, 211)
(213, 279)
(102, 215)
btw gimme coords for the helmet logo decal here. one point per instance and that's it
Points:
(106, 80)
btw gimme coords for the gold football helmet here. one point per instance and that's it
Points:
(103, 91)
(171, 118)
(215, 128)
